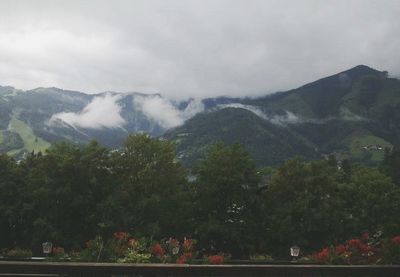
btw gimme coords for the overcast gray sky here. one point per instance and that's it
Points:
(191, 48)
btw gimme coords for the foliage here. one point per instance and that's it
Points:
(73, 193)
(18, 253)
(123, 248)
(311, 204)
(225, 200)
(391, 164)
(149, 195)
(362, 250)
(136, 252)
(261, 258)
(94, 251)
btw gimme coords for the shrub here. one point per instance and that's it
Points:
(18, 253)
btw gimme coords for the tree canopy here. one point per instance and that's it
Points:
(71, 193)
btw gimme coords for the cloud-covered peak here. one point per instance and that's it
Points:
(102, 112)
(165, 113)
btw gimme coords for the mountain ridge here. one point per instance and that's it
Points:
(319, 118)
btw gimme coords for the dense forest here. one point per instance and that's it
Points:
(71, 193)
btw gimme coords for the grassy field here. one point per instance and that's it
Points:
(357, 144)
(1, 137)
(31, 142)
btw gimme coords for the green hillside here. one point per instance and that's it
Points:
(368, 147)
(338, 115)
(266, 142)
(30, 141)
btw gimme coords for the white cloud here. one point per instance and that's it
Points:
(192, 48)
(102, 112)
(164, 113)
(291, 118)
(287, 118)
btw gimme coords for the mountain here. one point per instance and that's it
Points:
(32, 120)
(353, 114)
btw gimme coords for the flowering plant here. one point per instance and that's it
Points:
(172, 251)
(58, 253)
(136, 252)
(363, 250)
(216, 259)
(94, 250)
(391, 253)
(125, 249)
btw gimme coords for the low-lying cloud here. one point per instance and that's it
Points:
(165, 113)
(287, 118)
(102, 112)
(291, 118)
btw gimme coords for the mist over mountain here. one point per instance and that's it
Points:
(353, 114)
(33, 119)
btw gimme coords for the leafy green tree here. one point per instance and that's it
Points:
(225, 200)
(391, 164)
(10, 187)
(65, 187)
(302, 207)
(149, 188)
(373, 201)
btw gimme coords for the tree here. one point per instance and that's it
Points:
(149, 188)
(302, 207)
(64, 189)
(391, 164)
(225, 200)
(373, 201)
(10, 202)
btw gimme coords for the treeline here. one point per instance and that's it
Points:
(73, 193)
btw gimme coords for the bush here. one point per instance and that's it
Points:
(361, 250)
(18, 253)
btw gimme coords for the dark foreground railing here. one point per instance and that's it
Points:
(147, 270)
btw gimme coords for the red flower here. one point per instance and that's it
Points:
(181, 260)
(354, 243)
(157, 250)
(187, 244)
(396, 240)
(365, 249)
(184, 258)
(215, 259)
(120, 235)
(340, 249)
(323, 255)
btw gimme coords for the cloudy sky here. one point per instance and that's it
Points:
(192, 48)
